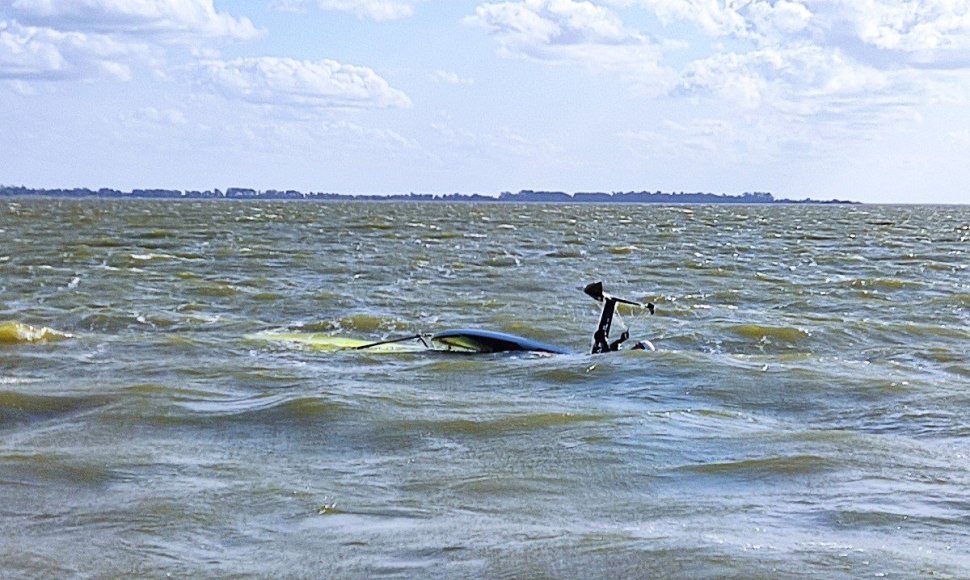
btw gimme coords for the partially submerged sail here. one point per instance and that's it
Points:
(486, 341)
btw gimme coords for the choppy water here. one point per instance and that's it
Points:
(808, 412)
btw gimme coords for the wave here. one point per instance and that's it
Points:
(783, 466)
(44, 468)
(265, 407)
(503, 261)
(956, 299)
(368, 323)
(622, 250)
(378, 224)
(566, 253)
(178, 407)
(906, 332)
(141, 258)
(885, 284)
(210, 289)
(20, 333)
(790, 334)
(505, 425)
(156, 234)
(23, 408)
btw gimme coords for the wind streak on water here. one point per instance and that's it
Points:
(806, 413)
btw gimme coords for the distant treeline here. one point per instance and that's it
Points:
(525, 196)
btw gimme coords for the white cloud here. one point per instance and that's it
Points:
(779, 18)
(165, 17)
(799, 74)
(834, 58)
(757, 20)
(21, 88)
(894, 33)
(552, 22)
(299, 83)
(697, 139)
(960, 138)
(153, 115)
(924, 32)
(369, 136)
(908, 25)
(712, 16)
(29, 53)
(459, 143)
(73, 40)
(450, 78)
(374, 9)
(295, 6)
(572, 32)
(848, 62)
(302, 135)
(780, 77)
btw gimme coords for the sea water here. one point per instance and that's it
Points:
(807, 411)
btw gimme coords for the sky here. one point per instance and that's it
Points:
(864, 100)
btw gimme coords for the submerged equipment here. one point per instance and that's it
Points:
(601, 338)
(487, 341)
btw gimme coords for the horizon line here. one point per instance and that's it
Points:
(523, 196)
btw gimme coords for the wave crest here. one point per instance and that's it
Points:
(20, 333)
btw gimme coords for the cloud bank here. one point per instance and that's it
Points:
(71, 40)
(363, 9)
(93, 39)
(375, 9)
(162, 17)
(570, 32)
(29, 53)
(804, 57)
(291, 82)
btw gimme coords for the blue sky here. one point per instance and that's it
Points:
(853, 99)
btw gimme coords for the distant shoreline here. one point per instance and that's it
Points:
(524, 196)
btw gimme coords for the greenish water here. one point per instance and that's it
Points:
(807, 412)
